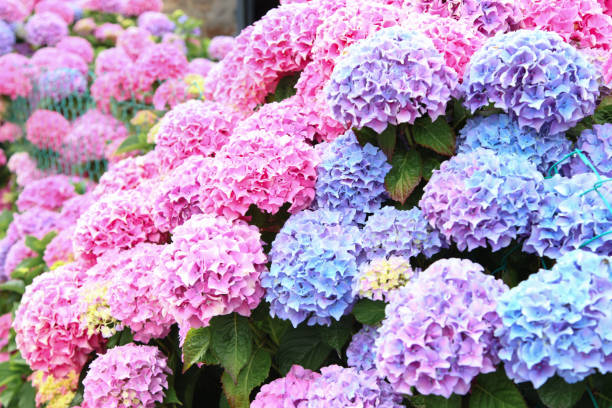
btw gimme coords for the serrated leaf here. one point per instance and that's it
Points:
(252, 375)
(556, 393)
(15, 286)
(434, 401)
(405, 175)
(302, 346)
(437, 136)
(231, 342)
(495, 390)
(338, 333)
(195, 347)
(369, 312)
(387, 140)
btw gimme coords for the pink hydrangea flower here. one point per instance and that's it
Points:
(220, 46)
(60, 8)
(200, 66)
(194, 128)
(78, 46)
(171, 93)
(108, 32)
(137, 7)
(5, 331)
(105, 6)
(255, 168)
(211, 268)
(119, 220)
(14, 10)
(2, 158)
(50, 333)
(15, 75)
(49, 193)
(134, 41)
(51, 58)
(290, 391)
(36, 222)
(85, 26)
(113, 60)
(45, 29)
(16, 255)
(114, 85)
(60, 248)
(25, 168)
(9, 132)
(158, 63)
(47, 129)
(128, 174)
(128, 376)
(74, 208)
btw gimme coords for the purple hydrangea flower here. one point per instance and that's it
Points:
(558, 321)
(361, 352)
(340, 387)
(596, 144)
(314, 262)
(567, 218)
(438, 334)
(156, 23)
(45, 29)
(481, 198)
(502, 134)
(60, 83)
(394, 76)
(7, 38)
(288, 392)
(534, 76)
(393, 232)
(351, 177)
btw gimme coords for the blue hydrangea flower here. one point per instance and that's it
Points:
(351, 176)
(314, 261)
(5, 246)
(360, 352)
(567, 218)
(481, 198)
(596, 144)
(394, 76)
(502, 134)
(392, 232)
(536, 77)
(60, 83)
(559, 321)
(7, 38)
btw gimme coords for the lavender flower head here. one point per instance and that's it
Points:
(156, 23)
(534, 76)
(314, 262)
(7, 38)
(558, 321)
(596, 144)
(351, 176)
(503, 134)
(394, 76)
(340, 387)
(481, 198)
(438, 334)
(568, 219)
(45, 29)
(400, 233)
(220, 46)
(361, 352)
(60, 83)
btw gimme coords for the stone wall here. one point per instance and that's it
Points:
(218, 15)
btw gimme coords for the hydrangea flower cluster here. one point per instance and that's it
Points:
(46, 129)
(314, 263)
(15, 75)
(340, 387)
(14, 10)
(220, 46)
(211, 268)
(25, 167)
(49, 193)
(7, 38)
(171, 93)
(45, 29)
(481, 198)
(290, 391)
(394, 76)
(155, 23)
(596, 144)
(50, 335)
(54, 392)
(60, 250)
(128, 174)
(78, 46)
(378, 278)
(51, 58)
(128, 376)
(158, 63)
(60, 83)
(58, 7)
(501, 133)
(534, 76)
(138, 7)
(555, 322)
(361, 352)
(568, 219)
(438, 333)
(134, 41)
(16, 254)
(351, 177)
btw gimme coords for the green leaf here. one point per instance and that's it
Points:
(437, 136)
(302, 346)
(27, 396)
(495, 390)
(405, 175)
(285, 89)
(131, 144)
(460, 113)
(231, 342)
(338, 333)
(386, 141)
(369, 312)
(366, 135)
(602, 389)
(15, 286)
(556, 393)
(252, 375)
(429, 165)
(171, 397)
(434, 401)
(195, 347)
(603, 114)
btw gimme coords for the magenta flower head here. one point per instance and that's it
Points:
(394, 76)
(211, 268)
(220, 46)
(138, 7)
(47, 129)
(49, 193)
(288, 392)
(156, 23)
(78, 46)
(438, 334)
(536, 77)
(128, 376)
(482, 198)
(45, 29)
